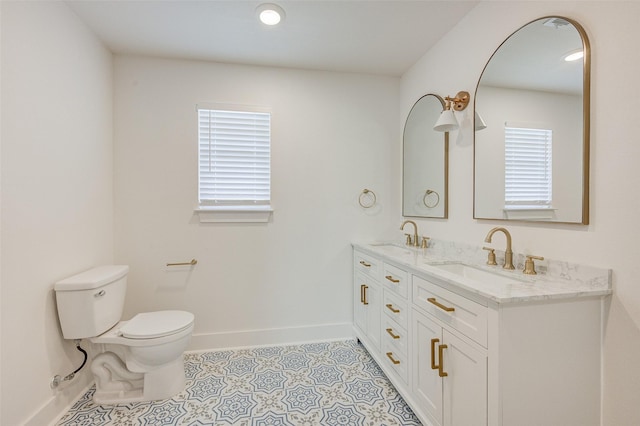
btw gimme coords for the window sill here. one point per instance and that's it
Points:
(529, 213)
(234, 214)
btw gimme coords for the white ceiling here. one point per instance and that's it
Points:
(365, 36)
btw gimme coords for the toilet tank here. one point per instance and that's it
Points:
(91, 302)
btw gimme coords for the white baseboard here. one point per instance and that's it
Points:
(270, 337)
(61, 401)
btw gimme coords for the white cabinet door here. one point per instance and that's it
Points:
(366, 308)
(374, 326)
(427, 384)
(359, 307)
(465, 386)
(450, 375)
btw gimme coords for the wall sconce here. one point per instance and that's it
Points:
(447, 120)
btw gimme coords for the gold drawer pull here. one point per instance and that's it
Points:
(395, 361)
(363, 294)
(440, 305)
(392, 309)
(390, 331)
(441, 371)
(434, 366)
(365, 264)
(393, 280)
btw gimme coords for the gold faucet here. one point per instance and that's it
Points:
(415, 233)
(508, 253)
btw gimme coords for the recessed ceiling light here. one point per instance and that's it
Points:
(270, 14)
(574, 56)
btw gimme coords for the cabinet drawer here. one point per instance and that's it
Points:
(366, 264)
(395, 279)
(462, 314)
(395, 308)
(396, 361)
(395, 336)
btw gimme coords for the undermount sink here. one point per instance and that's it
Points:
(392, 249)
(471, 272)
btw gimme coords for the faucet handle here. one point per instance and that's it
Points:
(409, 242)
(529, 265)
(491, 256)
(425, 242)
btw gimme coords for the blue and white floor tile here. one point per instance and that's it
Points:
(333, 383)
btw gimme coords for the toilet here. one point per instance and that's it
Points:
(137, 360)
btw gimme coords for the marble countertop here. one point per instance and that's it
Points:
(555, 279)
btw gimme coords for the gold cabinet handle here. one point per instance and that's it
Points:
(434, 366)
(390, 331)
(440, 305)
(441, 371)
(393, 280)
(363, 294)
(392, 309)
(365, 264)
(395, 361)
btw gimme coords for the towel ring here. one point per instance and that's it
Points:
(367, 198)
(192, 263)
(426, 194)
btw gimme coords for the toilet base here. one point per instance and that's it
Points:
(115, 384)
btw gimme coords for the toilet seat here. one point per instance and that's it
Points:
(154, 328)
(152, 325)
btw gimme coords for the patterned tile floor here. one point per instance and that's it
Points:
(329, 383)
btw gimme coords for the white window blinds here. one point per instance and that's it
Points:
(528, 171)
(234, 157)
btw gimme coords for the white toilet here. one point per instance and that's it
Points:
(138, 360)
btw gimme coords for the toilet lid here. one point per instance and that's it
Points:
(149, 325)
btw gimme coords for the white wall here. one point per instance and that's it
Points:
(57, 201)
(611, 239)
(333, 135)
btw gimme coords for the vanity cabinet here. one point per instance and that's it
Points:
(460, 357)
(367, 298)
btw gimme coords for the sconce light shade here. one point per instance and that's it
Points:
(446, 122)
(479, 122)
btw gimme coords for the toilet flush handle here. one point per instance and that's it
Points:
(100, 293)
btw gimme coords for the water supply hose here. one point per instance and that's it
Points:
(55, 382)
(72, 375)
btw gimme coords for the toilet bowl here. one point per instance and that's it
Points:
(150, 345)
(137, 360)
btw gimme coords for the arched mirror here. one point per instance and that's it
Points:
(424, 183)
(531, 148)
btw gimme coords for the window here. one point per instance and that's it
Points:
(528, 172)
(234, 176)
